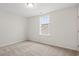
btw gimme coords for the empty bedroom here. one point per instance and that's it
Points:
(39, 29)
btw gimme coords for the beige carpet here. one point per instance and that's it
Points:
(28, 48)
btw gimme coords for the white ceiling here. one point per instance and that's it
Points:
(40, 8)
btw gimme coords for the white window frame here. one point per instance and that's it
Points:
(48, 26)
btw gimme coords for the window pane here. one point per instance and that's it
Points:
(44, 20)
(44, 25)
(44, 28)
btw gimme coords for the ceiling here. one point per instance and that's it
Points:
(40, 8)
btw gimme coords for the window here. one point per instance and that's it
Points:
(44, 25)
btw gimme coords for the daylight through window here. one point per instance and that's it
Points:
(44, 25)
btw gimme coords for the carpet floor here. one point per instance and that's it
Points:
(29, 48)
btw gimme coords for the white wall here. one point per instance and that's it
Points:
(63, 29)
(78, 27)
(12, 28)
